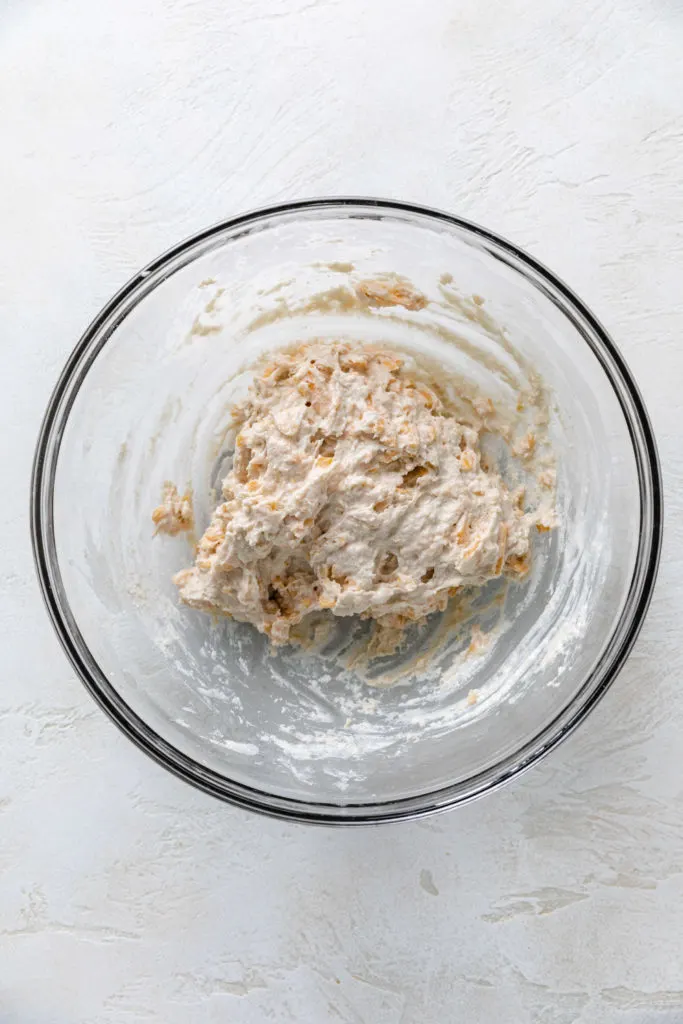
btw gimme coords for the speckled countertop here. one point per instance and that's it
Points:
(124, 895)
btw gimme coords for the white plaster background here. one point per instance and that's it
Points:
(124, 895)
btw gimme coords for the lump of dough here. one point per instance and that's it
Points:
(354, 488)
(174, 514)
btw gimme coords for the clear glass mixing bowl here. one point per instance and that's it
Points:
(145, 397)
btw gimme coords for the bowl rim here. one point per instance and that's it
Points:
(614, 654)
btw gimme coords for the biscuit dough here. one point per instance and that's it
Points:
(354, 488)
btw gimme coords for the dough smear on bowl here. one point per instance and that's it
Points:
(354, 488)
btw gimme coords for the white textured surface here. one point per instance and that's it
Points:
(124, 895)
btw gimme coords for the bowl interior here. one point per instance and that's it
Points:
(148, 400)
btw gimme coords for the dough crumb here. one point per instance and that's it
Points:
(391, 291)
(174, 515)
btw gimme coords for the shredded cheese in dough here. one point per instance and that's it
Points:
(354, 488)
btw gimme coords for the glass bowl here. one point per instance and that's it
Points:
(145, 398)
